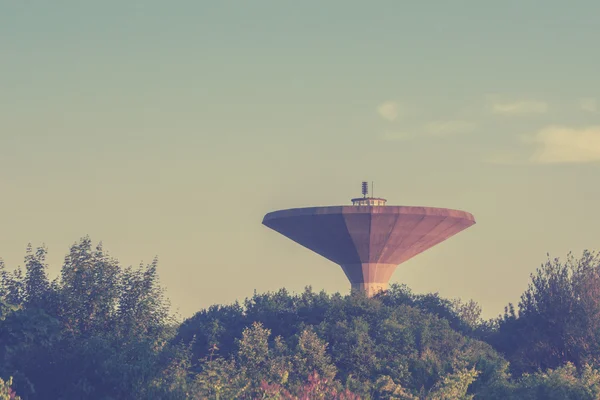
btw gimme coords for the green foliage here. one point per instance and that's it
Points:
(558, 319)
(386, 389)
(36, 285)
(269, 370)
(254, 350)
(370, 346)
(261, 366)
(221, 379)
(462, 317)
(98, 331)
(6, 392)
(311, 356)
(563, 383)
(101, 331)
(454, 386)
(315, 388)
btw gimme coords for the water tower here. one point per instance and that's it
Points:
(368, 239)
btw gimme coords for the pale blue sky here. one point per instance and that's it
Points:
(171, 128)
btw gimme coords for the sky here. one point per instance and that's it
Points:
(170, 129)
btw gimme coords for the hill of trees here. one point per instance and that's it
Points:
(102, 331)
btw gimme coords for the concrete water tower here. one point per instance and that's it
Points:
(368, 239)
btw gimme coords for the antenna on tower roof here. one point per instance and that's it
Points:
(365, 189)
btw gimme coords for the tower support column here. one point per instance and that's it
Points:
(370, 278)
(370, 289)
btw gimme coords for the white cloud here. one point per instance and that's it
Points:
(589, 105)
(389, 110)
(524, 107)
(441, 128)
(559, 144)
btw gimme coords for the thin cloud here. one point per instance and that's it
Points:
(589, 105)
(559, 144)
(389, 110)
(520, 108)
(442, 128)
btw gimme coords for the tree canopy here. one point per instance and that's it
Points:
(103, 331)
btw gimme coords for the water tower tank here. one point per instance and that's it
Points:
(368, 239)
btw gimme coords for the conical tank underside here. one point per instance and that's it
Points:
(368, 242)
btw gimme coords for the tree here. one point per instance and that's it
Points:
(89, 289)
(142, 307)
(454, 386)
(102, 331)
(12, 285)
(314, 388)
(558, 318)
(99, 331)
(221, 379)
(351, 341)
(311, 356)
(563, 383)
(36, 284)
(253, 351)
(28, 337)
(6, 392)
